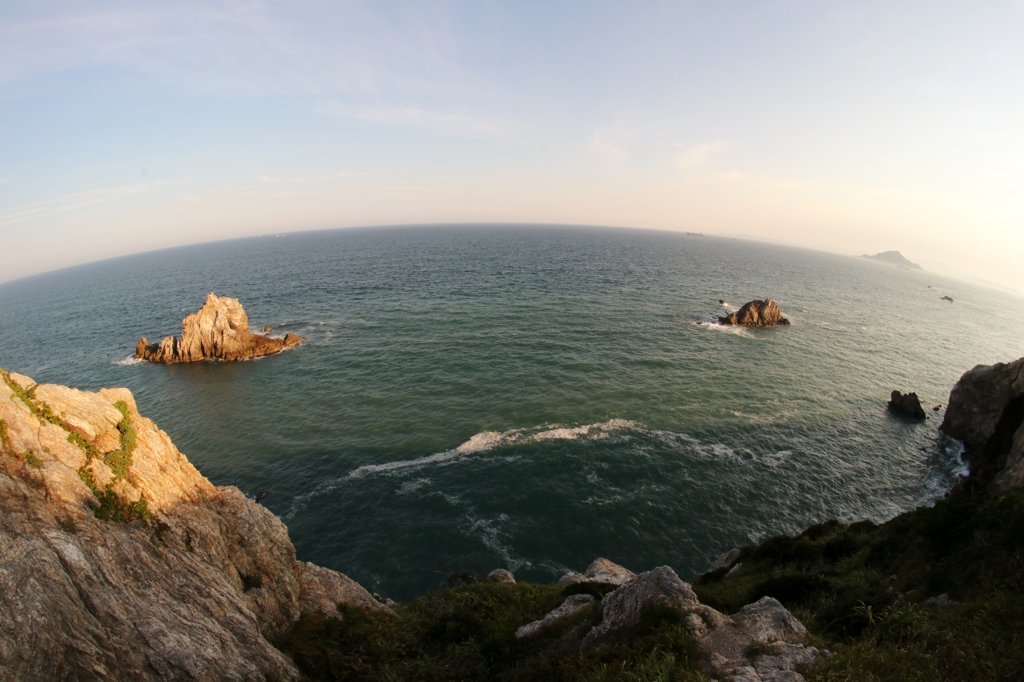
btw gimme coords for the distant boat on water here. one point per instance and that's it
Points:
(695, 234)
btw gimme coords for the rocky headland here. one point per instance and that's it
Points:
(219, 330)
(756, 314)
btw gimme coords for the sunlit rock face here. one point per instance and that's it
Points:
(756, 314)
(119, 560)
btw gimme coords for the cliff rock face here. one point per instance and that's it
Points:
(986, 412)
(119, 560)
(756, 314)
(218, 331)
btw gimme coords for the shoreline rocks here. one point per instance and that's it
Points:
(219, 330)
(756, 314)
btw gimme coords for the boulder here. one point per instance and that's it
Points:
(218, 331)
(762, 642)
(600, 571)
(659, 588)
(986, 412)
(756, 314)
(908, 404)
(500, 575)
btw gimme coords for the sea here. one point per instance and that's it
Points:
(473, 397)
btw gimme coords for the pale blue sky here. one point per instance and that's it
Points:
(850, 127)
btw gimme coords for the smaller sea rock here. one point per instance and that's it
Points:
(500, 575)
(947, 298)
(572, 605)
(601, 571)
(908, 404)
(756, 314)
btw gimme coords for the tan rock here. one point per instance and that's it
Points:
(219, 330)
(192, 593)
(600, 571)
(756, 314)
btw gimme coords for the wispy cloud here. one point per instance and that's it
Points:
(461, 124)
(75, 201)
(697, 155)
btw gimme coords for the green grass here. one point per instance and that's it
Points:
(862, 589)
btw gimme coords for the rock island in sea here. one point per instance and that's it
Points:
(217, 331)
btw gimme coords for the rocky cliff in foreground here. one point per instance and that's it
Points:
(217, 331)
(119, 560)
(986, 412)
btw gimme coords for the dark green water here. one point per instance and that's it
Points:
(531, 398)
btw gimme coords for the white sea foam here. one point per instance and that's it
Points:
(478, 444)
(128, 361)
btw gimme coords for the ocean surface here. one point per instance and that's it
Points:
(531, 398)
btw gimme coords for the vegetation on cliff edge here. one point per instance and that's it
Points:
(934, 594)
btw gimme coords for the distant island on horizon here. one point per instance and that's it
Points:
(893, 258)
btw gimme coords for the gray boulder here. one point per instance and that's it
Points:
(571, 606)
(500, 575)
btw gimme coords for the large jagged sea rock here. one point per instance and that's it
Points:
(180, 579)
(217, 331)
(756, 314)
(986, 412)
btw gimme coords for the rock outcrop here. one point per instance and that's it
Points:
(119, 560)
(762, 642)
(218, 331)
(986, 412)
(756, 314)
(601, 571)
(908, 404)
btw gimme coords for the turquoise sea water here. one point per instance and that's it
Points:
(531, 397)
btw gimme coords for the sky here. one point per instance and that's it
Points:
(852, 127)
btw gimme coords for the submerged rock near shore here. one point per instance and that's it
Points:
(119, 560)
(756, 314)
(218, 331)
